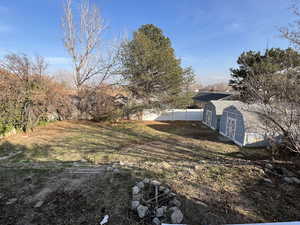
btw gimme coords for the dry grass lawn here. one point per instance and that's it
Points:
(193, 160)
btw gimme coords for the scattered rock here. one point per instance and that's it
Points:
(172, 194)
(38, 204)
(11, 201)
(177, 216)
(140, 184)
(146, 180)
(135, 190)
(162, 188)
(296, 180)
(175, 202)
(286, 172)
(137, 197)
(174, 208)
(160, 211)
(134, 204)
(267, 180)
(116, 171)
(11, 155)
(28, 179)
(269, 166)
(288, 180)
(167, 190)
(156, 221)
(1, 195)
(267, 170)
(109, 169)
(202, 204)
(142, 211)
(76, 164)
(155, 182)
(198, 167)
(240, 155)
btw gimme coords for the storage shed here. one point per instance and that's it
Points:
(241, 124)
(213, 111)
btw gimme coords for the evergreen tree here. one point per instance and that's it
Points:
(253, 63)
(151, 69)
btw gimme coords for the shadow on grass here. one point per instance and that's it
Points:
(100, 141)
(111, 194)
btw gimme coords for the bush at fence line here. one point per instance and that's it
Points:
(24, 103)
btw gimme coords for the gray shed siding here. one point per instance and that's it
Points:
(214, 120)
(232, 112)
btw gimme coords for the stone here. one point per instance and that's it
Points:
(156, 221)
(155, 182)
(177, 216)
(172, 194)
(160, 212)
(161, 188)
(135, 190)
(286, 172)
(175, 202)
(109, 169)
(140, 184)
(267, 170)
(288, 180)
(174, 208)
(11, 201)
(240, 155)
(269, 166)
(28, 179)
(198, 167)
(167, 190)
(202, 204)
(1, 195)
(137, 197)
(116, 171)
(76, 164)
(296, 180)
(142, 211)
(38, 204)
(146, 180)
(134, 204)
(267, 180)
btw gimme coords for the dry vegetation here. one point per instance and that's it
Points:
(192, 159)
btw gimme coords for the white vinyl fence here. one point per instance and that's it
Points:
(173, 115)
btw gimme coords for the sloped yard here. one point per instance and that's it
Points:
(215, 180)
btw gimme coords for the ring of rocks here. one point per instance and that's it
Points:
(155, 203)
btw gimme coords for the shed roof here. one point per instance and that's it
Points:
(253, 121)
(210, 96)
(220, 105)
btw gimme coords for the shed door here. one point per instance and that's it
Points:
(208, 117)
(230, 128)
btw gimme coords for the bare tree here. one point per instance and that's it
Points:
(82, 39)
(278, 94)
(23, 66)
(292, 32)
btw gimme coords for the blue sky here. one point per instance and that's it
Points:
(208, 35)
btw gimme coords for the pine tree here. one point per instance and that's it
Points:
(253, 63)
(151, 69)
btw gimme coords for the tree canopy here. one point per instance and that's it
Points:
(151, 69)
(254, 63)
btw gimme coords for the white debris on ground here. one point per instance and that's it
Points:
(104, 220)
